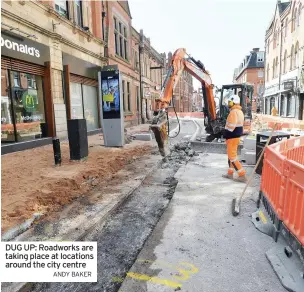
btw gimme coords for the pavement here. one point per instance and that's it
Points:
(138, 194)
(198, 245)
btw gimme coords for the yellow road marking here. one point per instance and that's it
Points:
(264, 220)
(156, 280)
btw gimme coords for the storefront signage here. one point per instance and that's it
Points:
(288, 85)
(22, 48)
(29, 101)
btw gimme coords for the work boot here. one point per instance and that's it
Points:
(229, 176)
(242, 179)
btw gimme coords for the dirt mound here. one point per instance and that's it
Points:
(31, 183)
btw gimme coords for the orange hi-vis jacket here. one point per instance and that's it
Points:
(235, 123)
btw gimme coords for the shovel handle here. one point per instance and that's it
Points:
(258, 162)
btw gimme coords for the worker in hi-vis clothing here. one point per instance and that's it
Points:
(232, 134)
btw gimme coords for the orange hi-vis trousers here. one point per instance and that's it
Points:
(233, 162)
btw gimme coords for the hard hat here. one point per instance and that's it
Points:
(235, 99)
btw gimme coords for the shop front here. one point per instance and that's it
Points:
(26, 109)
(81, 91)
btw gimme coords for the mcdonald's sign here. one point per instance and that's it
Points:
(29, 101)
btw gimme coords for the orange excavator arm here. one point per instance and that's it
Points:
(180, 61)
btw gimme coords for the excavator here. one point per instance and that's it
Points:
(214, 120)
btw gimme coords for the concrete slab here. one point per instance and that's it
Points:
(250, 157)
(250, 143)
(198, 245)
(142, 137)
(211, 147)
(288, 267)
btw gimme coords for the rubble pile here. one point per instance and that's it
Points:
(180, 153)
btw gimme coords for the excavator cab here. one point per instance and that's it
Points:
(245, 92)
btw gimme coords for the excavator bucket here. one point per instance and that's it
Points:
(160, 130)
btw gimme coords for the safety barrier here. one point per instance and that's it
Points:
(282, 183)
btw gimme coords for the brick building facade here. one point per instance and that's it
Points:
(284, 43)
(57, 47)
(183, 92)
(51, 54)
(251, 71)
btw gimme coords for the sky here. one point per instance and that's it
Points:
(220, 33)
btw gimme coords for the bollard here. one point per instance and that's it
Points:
(57, 151)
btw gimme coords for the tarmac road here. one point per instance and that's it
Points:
(198, 246)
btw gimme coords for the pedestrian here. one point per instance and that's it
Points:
(274, 111)
(232, 133)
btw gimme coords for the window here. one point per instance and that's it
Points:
(90, 107)
(78, 13)
(76, 100)
(291, 59)
(289, 105)
(123, 95)
(296, 20)
(286, 27)
(268, 45)
(284, 62)
(274, 39)
(277, 38)
(277, 67)
(26, 100)
(260, 56)
(125, 44)
(299, 15)
(61, 7)
(296, 56)
(121, 39)
(267, 76)
(7, 127)
(293, 19)
(137, 99)
(282, 105)
(272, 103)
(129, 97)
(260, 74)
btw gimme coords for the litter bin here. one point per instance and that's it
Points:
(78, 139)
(261, 140)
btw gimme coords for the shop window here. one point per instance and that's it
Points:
(90, 105)
(289, 105)
(16, 79)
(28, 106)
(282, 106)
(272, 103)
(7, 126)
(76, 101)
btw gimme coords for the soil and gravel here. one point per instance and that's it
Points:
(31, 183)
(124, 233)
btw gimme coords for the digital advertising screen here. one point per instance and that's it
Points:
(110, 92)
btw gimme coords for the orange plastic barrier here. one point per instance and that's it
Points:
(282, 183)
